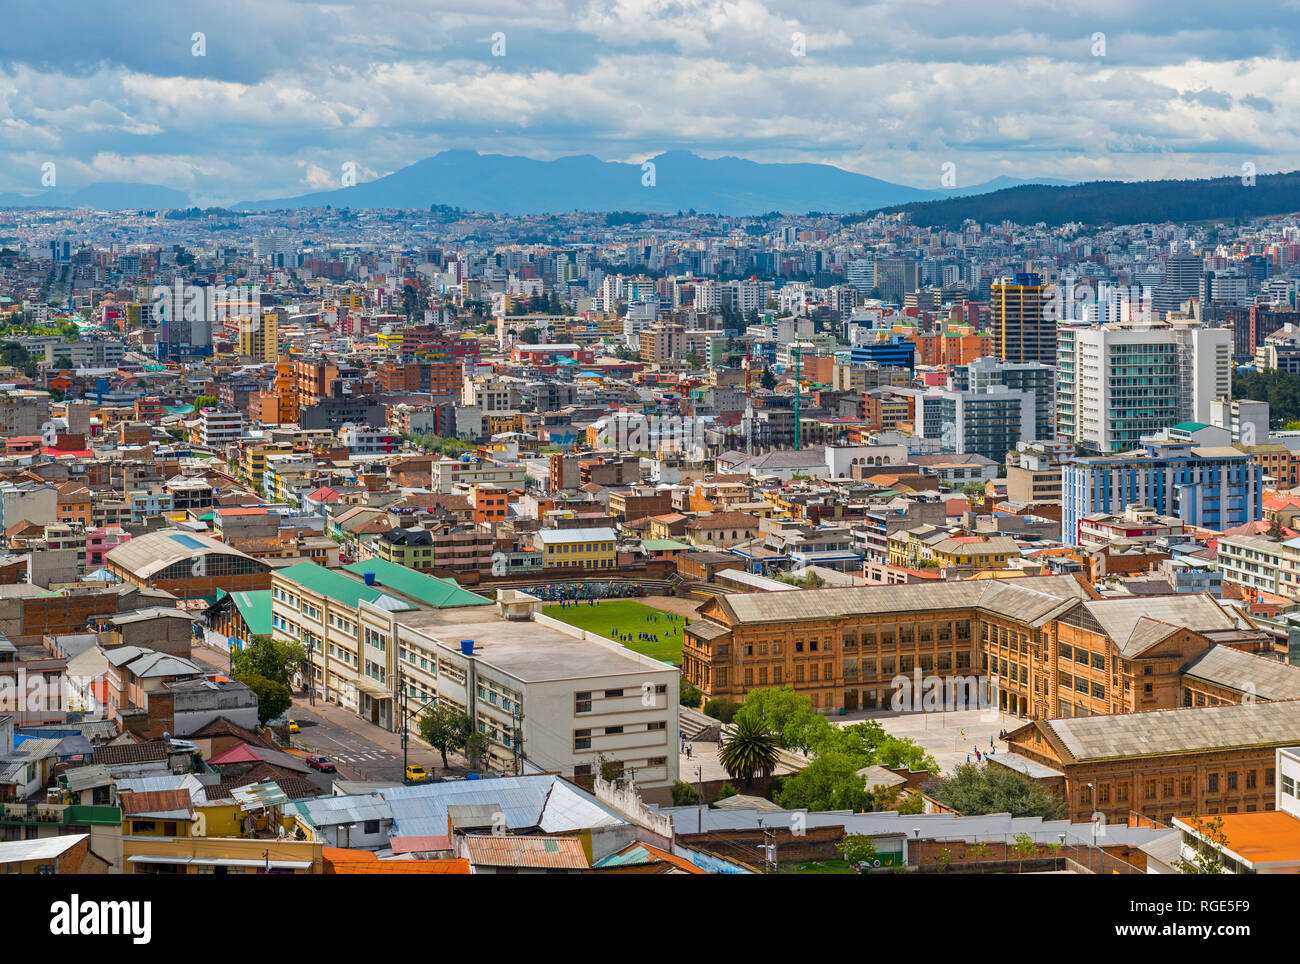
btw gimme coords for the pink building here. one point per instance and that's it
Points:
(102, 540)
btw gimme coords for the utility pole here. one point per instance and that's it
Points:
(517, 743)
(401, 708)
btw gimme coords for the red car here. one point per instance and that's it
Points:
(321, 763)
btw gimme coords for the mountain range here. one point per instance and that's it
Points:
(105, 196)
(682, 181)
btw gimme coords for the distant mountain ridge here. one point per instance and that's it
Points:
(105, 195)
(1116, 202)
(682, 181)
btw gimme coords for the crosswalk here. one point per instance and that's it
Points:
(359, 756)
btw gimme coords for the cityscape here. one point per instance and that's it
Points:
(486, 505)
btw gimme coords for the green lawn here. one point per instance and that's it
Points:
(627, 616)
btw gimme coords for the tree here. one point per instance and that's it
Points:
(723, 710)
(273, 697)
(477, 747)
(728, 789)
(973, 789)
(1023, 846)
(768, 380)
(205, 401)
(684, 795)
(446, 729)
(63, 362)
(830, 782)
(689, 694)
(1209, 856)
(857, 849)
(276, 659)
(788, 715)
(750, 752)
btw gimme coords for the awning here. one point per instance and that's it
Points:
(371, 688)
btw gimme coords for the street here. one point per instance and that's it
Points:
(360, 749)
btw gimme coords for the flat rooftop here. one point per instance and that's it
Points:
(527, 650)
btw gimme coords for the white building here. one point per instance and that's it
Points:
(1119, 382)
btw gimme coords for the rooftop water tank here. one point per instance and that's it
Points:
(467, 647)
(370, 578)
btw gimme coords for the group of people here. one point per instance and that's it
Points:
(644, 636)
(979, 757)
(587, 591)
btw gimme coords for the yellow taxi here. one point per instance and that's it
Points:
(416, 774)
(293, 725)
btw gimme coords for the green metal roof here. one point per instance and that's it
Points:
(326, 582)
(430, 590)
(77, 815)
(662, 545)
(255, 607)
(1190, 426)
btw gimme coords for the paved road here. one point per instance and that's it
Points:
(356, 757)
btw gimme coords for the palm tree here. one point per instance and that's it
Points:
(751, 751)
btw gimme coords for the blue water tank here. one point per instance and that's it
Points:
(370, 578)
(471, 776)
(467, 647)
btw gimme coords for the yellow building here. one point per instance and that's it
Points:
(259, 336)
(594, 548)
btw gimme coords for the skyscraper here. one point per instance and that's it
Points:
(1023, 329)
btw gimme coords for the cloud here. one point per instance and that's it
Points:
(289, 92)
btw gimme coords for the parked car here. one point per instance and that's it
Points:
(293, 725)
(321, 763)
(416, 774)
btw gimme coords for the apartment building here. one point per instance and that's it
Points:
(1120, 382)
(546, 696)
(1212, 487)
(445, 474)
(584, 548)
(384, 642)
(442, 548)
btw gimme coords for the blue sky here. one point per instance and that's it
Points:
(287, 93)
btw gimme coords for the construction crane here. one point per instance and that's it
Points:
(798, 370)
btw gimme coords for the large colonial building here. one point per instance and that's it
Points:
(1160, 765)
(1044, 645)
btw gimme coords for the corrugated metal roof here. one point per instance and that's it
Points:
(502, 850)
(542, 800)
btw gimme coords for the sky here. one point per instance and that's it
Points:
(276, 97)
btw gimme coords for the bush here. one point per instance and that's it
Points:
(726, 790)
(684, 795)
(689, 695)
(721, 709)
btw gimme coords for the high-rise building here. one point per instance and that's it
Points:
(1023, 328)
(1119, 383)
(259, 335)
(992, 374)
(895, 277)
(1217, 488)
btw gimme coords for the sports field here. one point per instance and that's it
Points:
(613, 616)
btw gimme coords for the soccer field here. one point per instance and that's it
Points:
(613, 616)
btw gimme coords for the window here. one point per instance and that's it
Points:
(1212, 783)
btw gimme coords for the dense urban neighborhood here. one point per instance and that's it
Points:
(400, 541)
